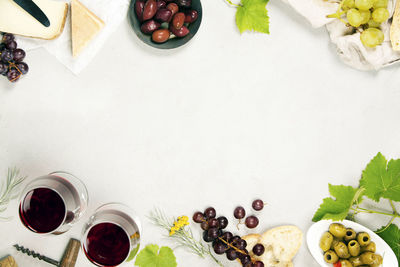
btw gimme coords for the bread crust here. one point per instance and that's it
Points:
(281, 245)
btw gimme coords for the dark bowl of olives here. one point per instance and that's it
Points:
(165, 24)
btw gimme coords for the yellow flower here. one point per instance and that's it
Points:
(180, 223)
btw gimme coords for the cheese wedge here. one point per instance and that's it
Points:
(8, 262)
(395, 28)
(13, 19)
(84, 26)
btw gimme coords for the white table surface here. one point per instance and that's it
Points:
(219, 122)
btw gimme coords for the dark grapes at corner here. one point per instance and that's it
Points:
(11, 58)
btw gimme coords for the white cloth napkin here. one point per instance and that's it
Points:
(349, 47)
(112, 12)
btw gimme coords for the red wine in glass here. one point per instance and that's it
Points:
(42, 210)
(52, 203)
(107, 244)
(111, 235)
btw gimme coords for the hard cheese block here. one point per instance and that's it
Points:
(8, 262)
(84, 26)
(395, 29)
(14, 19)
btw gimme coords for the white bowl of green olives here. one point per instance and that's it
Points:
(348, 244)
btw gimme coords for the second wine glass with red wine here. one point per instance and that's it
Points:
(51, 204)
(111, 235)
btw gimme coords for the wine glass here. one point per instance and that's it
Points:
(111, 235)
(51, 204)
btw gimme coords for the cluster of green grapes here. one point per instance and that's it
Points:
(367, 14)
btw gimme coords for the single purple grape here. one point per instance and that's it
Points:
(13, 75)
(23, 67)
(8, 37)
(6, 55)
(11, 45)
(19, 55)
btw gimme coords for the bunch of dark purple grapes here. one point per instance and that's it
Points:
(224, 242)
(11, 58)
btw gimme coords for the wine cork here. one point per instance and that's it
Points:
(71, 254)
(8, 262)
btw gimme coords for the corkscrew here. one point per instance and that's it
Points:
(68, 260)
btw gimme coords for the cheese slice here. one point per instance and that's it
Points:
(84, 26)
(395, 28)
(14, 19)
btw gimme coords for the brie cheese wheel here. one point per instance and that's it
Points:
(14, 19)
(84, 26)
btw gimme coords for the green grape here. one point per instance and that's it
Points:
(364, 4)
(347, 4)
(373, 24)
(365, 15)
(380, 3)
(372, 37)
(354, 17)
(380, 15)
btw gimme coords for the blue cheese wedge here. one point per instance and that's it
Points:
(14, 19)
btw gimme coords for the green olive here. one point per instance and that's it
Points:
(337, 230)
(370, 248)
(346, 263)
(334, 242)
(342, 251)
(368, 258)
(326, 241)
(331, 257)
(354, 248)
(363, 239)
(377, 261)
(350, 234)
(356, 261)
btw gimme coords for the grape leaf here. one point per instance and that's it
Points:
(338, 208)
(382, 179)
(133, 253)
(153, 256)
(391, 235)
(252, 15)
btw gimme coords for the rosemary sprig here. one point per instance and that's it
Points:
(183, 237)
(8, 190)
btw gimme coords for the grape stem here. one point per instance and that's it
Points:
(232, 246)
(233, 4)
(239, 223)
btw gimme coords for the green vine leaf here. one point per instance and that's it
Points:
(338, 208)
(153, 256)
(133, 253)
(382, 179)
(391, 235)
(252, 15)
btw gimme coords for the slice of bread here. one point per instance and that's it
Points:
(14, 19)
(84, 26)
(395, 28)
(281, 245)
